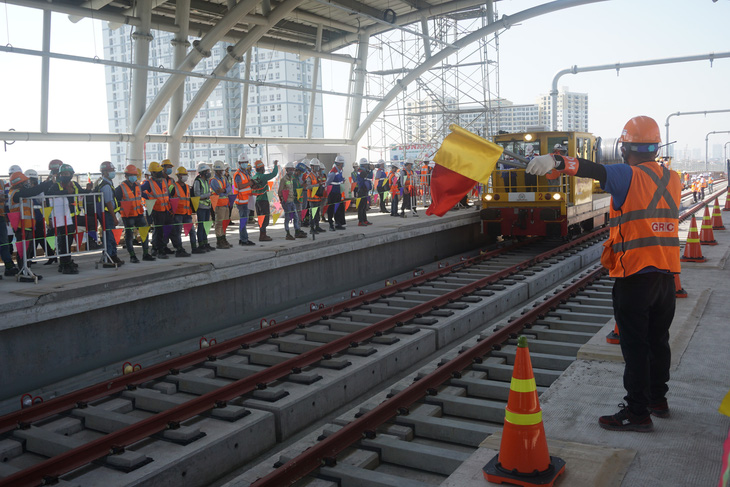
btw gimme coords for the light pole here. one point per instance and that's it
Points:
(707, 137)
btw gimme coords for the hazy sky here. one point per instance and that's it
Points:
(530, 55)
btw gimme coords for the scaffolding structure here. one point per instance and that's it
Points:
(461, 89)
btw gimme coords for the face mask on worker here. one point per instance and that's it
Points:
(64, 179)
(184, 178)
(168, 170)
(132, 179)
(112, 175)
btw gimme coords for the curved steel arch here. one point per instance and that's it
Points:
(196, 54)
(504, 23)
(234, 56)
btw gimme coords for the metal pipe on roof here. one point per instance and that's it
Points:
(707, 147)
(676, 114)
(617, 66)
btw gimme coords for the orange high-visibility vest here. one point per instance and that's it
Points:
(182, 191)
(160, 195)
(393, 182)
(223, 183)
(424, 175)
(312, 194)
(242, 195)
(27, 216)
(644, 231)
(131, 204)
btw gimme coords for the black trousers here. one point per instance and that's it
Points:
(335, 217)
(381, 199)
(262, 208)
(362, 207)
(643, 305)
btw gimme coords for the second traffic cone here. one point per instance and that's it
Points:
(717, 217)
(707, 237)
(678, 291)
(727, 200)
(613, 337)
(692, 249)
(523, 457)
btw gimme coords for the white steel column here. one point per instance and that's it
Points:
(180, 45)
(315, 79)
(142, 39)
(45, 70)
(244, 102)
(200, 50)
(360, 73)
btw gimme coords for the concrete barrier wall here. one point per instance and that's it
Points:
(57, 337)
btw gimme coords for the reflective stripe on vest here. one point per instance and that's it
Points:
(182, 192)
(644, 231)
(131, 201)
(311, 193)
(222, 199)
(242, 195)
(27, 206)
(161, 196)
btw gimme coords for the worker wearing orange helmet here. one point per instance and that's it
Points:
(20, 188)
(642, 254)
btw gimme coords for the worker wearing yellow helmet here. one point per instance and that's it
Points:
(642, 254)
(183, 213)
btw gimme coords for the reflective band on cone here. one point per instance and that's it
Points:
(717, 216)
(692, 249)
(523, 457)
(707, 237)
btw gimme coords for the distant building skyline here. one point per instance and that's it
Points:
(271, 112)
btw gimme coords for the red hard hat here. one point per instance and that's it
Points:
(17, 178)
(641, 130)
(106, 166)
(54, 165)
(130, 169)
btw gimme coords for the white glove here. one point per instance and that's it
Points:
(541, 165)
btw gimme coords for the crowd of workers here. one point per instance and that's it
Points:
(49, 213)
(698, 184)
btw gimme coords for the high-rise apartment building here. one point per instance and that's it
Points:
(427, 120)
(572, 110)
(272, 111)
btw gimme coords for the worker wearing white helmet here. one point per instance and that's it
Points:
(364, 180)
(381, 184)
(201, 189)
(335, 180)
(313, 184)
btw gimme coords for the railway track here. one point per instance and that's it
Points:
(168, 421)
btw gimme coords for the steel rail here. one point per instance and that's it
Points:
(115, 442)
(326, 451)
(36, 412)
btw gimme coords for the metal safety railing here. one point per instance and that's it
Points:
(52, 223)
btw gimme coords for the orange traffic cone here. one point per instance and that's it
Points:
(523, 457)
(692, 249)
(707, 237)
(678, 291)
(727, 200)
(717, 217)
(613, 337)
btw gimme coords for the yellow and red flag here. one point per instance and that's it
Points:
(463, 160)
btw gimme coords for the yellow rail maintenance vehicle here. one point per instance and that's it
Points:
(515, 203)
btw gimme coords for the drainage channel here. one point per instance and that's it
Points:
(237, 400)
